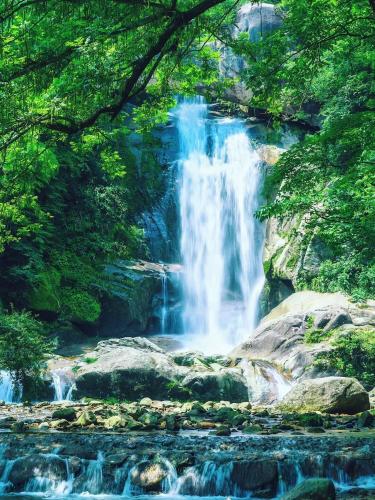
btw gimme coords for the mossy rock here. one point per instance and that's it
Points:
(313, 489)
(68, 414)
(309, 419)
(252, 429)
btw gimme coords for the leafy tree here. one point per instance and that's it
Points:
(23, 347)
(323, 58)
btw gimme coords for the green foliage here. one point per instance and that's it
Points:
(314, 335)
(90, 361)
(72, 183)
(353, 356)
(176, 391)
(350, 275)
(23, 346)
(312, 61)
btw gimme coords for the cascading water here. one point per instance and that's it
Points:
(164, 309)
(63, 384)
(221, 240)
(9, 391)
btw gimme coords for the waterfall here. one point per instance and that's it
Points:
(164, 307)
(9, 392)
(94, 476)
(63, 384)
(221, 241)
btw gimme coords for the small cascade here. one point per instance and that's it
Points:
(130, 489)
(171, 478)
(265, 383)
(94, 476)
(164, 307)
(63, 384)
(233, 474)
(45, 484)
(209, 479)
(9, 391)
(7, 467)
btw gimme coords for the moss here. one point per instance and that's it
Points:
(177, 391)
(267, 266)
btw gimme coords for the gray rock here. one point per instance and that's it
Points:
(149, 475)
(313, 489)
(330, 318)
(130, 305)
(257, 476)
(256, 20)
(328, 395)
(128, 372)
(281, 341)
(280, 336)
(225, 385)
(31, 466)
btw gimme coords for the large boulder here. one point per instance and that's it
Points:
(312, 489)
(327, 395)
(227, 384)
(149, 475)
(128, 368)
(280, 337)
(33, 466)
(256, 476)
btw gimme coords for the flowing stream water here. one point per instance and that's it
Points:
(221, 240)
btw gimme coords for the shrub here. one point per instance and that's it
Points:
(346, 275)
(353, 356)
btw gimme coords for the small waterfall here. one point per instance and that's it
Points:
(221, 240)
(63, 384)
(164, 307)
(94, 476)
(8, 464)
(208, 479)
(9, 391)
(265, 383)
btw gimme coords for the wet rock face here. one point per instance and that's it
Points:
(257, 476)
(328, 394)
(131, 306)
(226, 385)
(37, 465)
(149, 475)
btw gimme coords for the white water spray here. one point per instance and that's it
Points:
(221, 240)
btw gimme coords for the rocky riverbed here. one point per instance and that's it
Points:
(185, 463)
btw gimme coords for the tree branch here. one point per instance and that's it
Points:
(180, 20)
